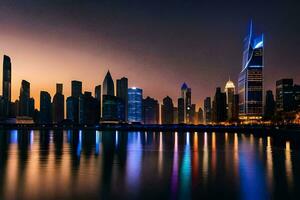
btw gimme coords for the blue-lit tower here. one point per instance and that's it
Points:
(135, 98)
(251, 81)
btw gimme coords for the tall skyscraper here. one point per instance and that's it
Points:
(229, 90)
(236, 109)
(24, 98)
(73, 109)
(98, 102)
(122, 93)
(109, 108)
(285, 95)
(186, 94)
(167, 111)
(135, 98)
(6, 86)
(150, 111)
(45, 108)
(58, 104)
(269, 105)
(76, 88)
(251, 78)
(207, 110)
(219, 107)
(108, 85)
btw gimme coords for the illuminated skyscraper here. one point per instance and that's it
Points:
(186, 95)
(229, 90)
(250, 82)
(108, 85)
(6, 86)
(285, 95)
(135, 98)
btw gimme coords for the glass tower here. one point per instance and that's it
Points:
(135, 98)
(250, 83)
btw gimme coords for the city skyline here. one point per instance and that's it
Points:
(85, 52)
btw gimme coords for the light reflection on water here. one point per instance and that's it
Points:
(92, 164)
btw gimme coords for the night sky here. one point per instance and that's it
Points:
(156, 45)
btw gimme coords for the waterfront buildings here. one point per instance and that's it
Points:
(73, 102)
(186, 95)
(87, 111)
(58, 104)
(135, 98)
(200, 116)
(167, 111)
(150, 111)
(250, 83)
(285, 95)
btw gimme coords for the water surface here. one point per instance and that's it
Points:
(146, 165)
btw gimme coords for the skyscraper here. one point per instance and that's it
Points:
(76, 88)
(229, 90)
(6, 85)
(251, 78)
(24, 98)
(58, 104)
(167, 111)
(219, 107)
(186, 94)
(207, 110)
(87, 111)
(98, 102)
(135, 97)
(269, 105)
(200, 116)
(45, 108)
(108, 85)
(122, 93)
(181, 109)
(150, 111)
(109, 108)
(285, 95)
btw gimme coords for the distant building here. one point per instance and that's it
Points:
(269, 105)
(285, 101)
(24, 99)
(219, 107)
(251, 78)
(108, 85)
(167, 111)
(207, 110)
(112, 109)
(122, 93)
(150, 111)
(175, 115)
(193, 114)
(235, 109)
(297, 97)
(73, 109)
(58, 104)
(6, 86)
(229, 90)
(181, 110)
(186, 94)
(76, 88)
(135, 97)
(45, 115)
(98, 106)
(31, 107)
(87, 111)
(200, 116)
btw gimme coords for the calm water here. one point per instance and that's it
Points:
(144, 165)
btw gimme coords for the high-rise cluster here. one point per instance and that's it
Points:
(119, 103)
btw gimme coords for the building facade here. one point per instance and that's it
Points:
(150, 111)
(251, 80)
(58, 104)
(135, 98)
(167, 111)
